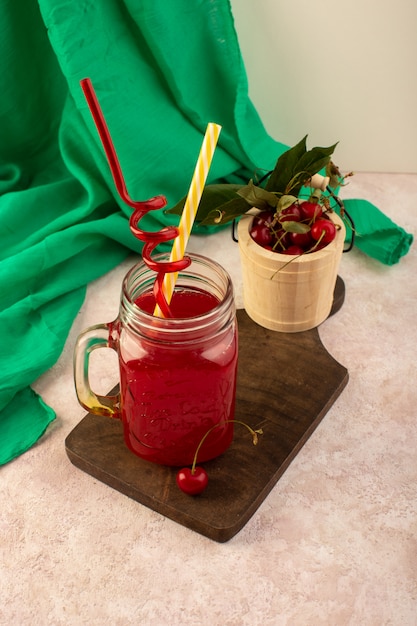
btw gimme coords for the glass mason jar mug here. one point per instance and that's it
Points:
(177, 374)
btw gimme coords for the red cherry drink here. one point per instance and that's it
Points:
(173, 394)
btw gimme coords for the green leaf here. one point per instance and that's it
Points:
(295, 227)
(333, 172)
(296, 166)
(258, 197)
(315, 159)
(285, 202)
(285, 167)
(225, 213)
(214, 196)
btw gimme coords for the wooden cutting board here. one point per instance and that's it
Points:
(286, 384)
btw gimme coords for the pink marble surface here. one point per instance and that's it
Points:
(335, 542)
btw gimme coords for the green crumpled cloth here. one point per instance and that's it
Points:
(376, 234)
(161, 71)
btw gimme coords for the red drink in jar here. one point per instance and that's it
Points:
(178, 374)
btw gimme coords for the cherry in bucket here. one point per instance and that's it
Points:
(310, 210)
(194, 480)
(301, 227)
(323, 230)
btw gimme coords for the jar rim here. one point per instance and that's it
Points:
(196, 324)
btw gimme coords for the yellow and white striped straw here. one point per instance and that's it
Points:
(190, 207)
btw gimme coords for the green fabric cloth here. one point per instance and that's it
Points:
(376, 234)
(161, 71)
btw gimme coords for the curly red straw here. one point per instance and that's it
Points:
(150, 239)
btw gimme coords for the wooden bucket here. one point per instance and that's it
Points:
(288, 296)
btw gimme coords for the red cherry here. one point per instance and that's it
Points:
(192, 483)
(310, 210)
(264, 218)
(304, 240)
(261, 234)
(294, 250)
(290, 214)
(323, 230)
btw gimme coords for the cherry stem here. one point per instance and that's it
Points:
(297, 256)
(253, 432)
(323, 232)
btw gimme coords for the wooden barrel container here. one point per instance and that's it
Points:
(288, 296)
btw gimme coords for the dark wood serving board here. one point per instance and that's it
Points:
(286, 384)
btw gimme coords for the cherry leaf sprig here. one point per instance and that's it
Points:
(222, 203)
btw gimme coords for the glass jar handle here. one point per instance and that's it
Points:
(92, 338)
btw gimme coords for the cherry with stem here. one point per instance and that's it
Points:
(194, 480)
